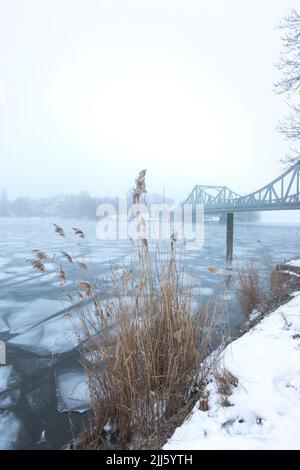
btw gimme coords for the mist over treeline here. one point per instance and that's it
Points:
(81, 206)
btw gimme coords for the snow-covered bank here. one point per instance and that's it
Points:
(264, 411)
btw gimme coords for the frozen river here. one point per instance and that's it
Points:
(42, 384)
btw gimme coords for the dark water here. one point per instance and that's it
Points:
(42, 386)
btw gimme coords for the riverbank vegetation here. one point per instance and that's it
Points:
(254, 293)
(149, 365)
(144, 343)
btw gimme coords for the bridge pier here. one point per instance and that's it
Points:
(229, 237)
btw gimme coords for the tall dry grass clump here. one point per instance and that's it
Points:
(249, 289)
(141, 345)
(266, 289)
(145, 366)
(278, 283)
(147, 360)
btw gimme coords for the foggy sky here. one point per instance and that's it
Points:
(91, 91)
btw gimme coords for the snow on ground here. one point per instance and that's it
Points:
(290, 273)
(263, 410)
(295, 262)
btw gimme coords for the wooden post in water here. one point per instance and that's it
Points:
(229, 237)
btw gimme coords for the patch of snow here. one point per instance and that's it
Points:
(290, 273)
(264, 411)
(295, 262)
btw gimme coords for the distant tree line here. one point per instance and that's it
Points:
(250, 216)
(81, 205)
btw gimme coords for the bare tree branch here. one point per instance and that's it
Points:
(289, 65)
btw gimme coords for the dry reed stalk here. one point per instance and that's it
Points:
(149, 357)
(249, 291)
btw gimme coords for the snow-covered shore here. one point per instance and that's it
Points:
(264, 411)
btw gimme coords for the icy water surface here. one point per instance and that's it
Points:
(42, 386)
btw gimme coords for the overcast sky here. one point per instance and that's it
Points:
(91, 91)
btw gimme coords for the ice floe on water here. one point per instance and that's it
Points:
(3, 326)
(72, 391)
(188, 280)
(202, 291)
(8, 307)
(206, 291)
(9, 378)
(33, 313)
(10, 430)
(19, 270)
(9, 399)
(3, 261)
(57, 335)
(5, 276)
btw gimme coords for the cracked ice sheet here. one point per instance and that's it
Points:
(19, 270)
(6, 307)
(265, 411)
(72, 391)
(53, 336)
(33, 313)
(4, 261)
(5, 276)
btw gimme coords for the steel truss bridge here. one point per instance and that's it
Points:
(281, 194)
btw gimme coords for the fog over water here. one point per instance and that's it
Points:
(93, 92)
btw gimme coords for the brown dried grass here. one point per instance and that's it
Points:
(249, 291)
(142, 369)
